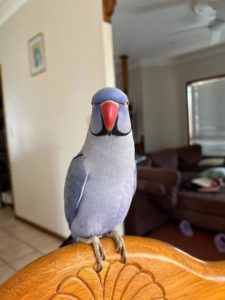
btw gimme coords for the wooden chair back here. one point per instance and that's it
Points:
(154, 271)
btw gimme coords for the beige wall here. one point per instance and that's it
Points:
(135, 97)
(135, 92)
(108, 54)
(160, 108)
(163, 98)
(47, 115)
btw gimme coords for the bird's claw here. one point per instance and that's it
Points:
(98, 250)
(100, 266)
(119, 243)
(102, 251)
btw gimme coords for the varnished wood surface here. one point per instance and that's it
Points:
(154, 271)
(124, 67)
(108, 9)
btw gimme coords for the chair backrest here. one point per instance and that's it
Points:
(154, 271)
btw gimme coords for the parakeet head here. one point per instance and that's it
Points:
(110, 114)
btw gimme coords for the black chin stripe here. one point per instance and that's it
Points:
(115, 131)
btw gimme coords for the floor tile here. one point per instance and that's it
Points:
(2, 233)
(52, 247)
(28, 234)
(5, 272)
(2, 262)
(5, 220)
(43, 241)
(8, 241)
(11, 222)
(16, 251)
(21, 262)
(21, 243)
(17, 226)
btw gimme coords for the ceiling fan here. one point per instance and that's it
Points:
(204, 8)
(156, 5)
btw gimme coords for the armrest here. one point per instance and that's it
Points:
(160, 184)
(167, 177)
(153, 188)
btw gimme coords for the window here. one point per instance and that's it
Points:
(206, 115)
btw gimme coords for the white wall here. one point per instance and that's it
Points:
(160, 107)
(163, 98)
(47, 115)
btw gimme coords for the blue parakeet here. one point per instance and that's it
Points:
(101, 179)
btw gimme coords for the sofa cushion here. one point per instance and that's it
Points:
(165, 176)
(166, 158)
(162, 196)
(209, 203)
(189, 156)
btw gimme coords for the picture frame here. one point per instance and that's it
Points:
(37, 59)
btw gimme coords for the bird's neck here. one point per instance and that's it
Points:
(120, 145)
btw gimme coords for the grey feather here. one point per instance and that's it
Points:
(74, 187)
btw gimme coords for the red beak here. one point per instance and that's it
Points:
(109, 111)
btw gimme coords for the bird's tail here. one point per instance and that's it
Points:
(68, 241)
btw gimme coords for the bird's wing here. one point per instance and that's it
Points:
(74, 187)
(135, 179)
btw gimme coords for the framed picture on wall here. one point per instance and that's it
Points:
(37, 57)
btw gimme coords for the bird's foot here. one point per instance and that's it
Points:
(117, 238)
(98, 249)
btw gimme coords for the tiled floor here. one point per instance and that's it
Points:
(21, 243)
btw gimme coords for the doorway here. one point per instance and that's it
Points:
(5, 178)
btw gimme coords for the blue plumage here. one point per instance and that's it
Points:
(109, 93)
(75, 183)
(101, 181)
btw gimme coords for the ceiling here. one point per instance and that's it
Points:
(8, 8)
(154, 29)
(2, 3)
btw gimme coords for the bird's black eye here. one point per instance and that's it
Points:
(126, 104)
(92, 103)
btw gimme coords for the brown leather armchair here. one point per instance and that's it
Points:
(153, 201)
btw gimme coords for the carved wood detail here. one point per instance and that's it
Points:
(154, 270)
(108, 9)
(115, 281)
